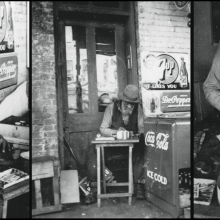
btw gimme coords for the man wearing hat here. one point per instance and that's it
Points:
(123, 114)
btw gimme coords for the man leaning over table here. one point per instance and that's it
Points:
(123, 114)
(211, 85)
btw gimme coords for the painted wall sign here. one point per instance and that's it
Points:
(165, 78)
(6, 28)
(171, 102)
(165, 71)
(157, 177)
(161, 141)
(8, 70)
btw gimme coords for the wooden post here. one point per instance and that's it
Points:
(98, 176)
(130, 174)
(103, 167)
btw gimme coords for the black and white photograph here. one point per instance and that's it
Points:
(15, 109)
(111, 109)
(206, 137)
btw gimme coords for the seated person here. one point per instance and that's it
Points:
(123, 114)
(211, 85)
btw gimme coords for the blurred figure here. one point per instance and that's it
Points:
(211, 85)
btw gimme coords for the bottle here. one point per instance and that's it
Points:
(152, 105)
(183, 74)
(10, 43)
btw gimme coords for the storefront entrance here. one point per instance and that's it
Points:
(92, 66)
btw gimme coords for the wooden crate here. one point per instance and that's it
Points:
(43, 168)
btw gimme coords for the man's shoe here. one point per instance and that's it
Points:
(91, 198)
(140, 191)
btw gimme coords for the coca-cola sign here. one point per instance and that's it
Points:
(161, 140)
(8, 70)
(179, 101)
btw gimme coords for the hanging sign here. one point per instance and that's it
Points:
(8, 70)
(181, 4)
(6, 28)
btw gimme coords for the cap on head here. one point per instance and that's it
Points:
(130, 94)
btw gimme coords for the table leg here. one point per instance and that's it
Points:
(98, 176)
(5, 206)
(103, 167)
(130, 175)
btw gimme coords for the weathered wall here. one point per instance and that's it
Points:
(161, 27)
(19, 15)
(44, 103)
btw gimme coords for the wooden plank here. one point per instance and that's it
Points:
(46, 210)
(56, 190)
(16, 192)
(98, 176)
(114, 195)
(92, 75)
(103, 168)
(42, 170)
(121, 59)
(117, 184)
(4, 211)
(14, 187)
(37, 186)
(130, 188)
(130, 140)
(69, 186)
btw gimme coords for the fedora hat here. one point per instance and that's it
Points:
(130, 94)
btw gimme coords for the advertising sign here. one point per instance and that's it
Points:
(6, 28)
(165, 82)
(8, 70)
(158, 166)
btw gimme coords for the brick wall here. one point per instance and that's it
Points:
(161, 27)
(19, 15)
(44, 103)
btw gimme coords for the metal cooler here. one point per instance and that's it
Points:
(167, 150)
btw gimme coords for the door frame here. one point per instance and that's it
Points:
(130, 36)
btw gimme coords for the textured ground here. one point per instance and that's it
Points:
(111, 208)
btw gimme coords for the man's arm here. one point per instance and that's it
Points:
(211, 85)
(107, 122)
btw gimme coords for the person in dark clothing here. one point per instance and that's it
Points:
(123, 114)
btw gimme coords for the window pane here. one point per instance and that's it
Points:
(106, 63)
(76, 64)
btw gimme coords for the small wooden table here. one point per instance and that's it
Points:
(114, 143)
(12, 192)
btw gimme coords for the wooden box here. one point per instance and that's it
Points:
(43, 169)
(6, 173)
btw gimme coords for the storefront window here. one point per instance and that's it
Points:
(106, 63)
(76, 64)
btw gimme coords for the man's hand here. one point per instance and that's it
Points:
(122, 129)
